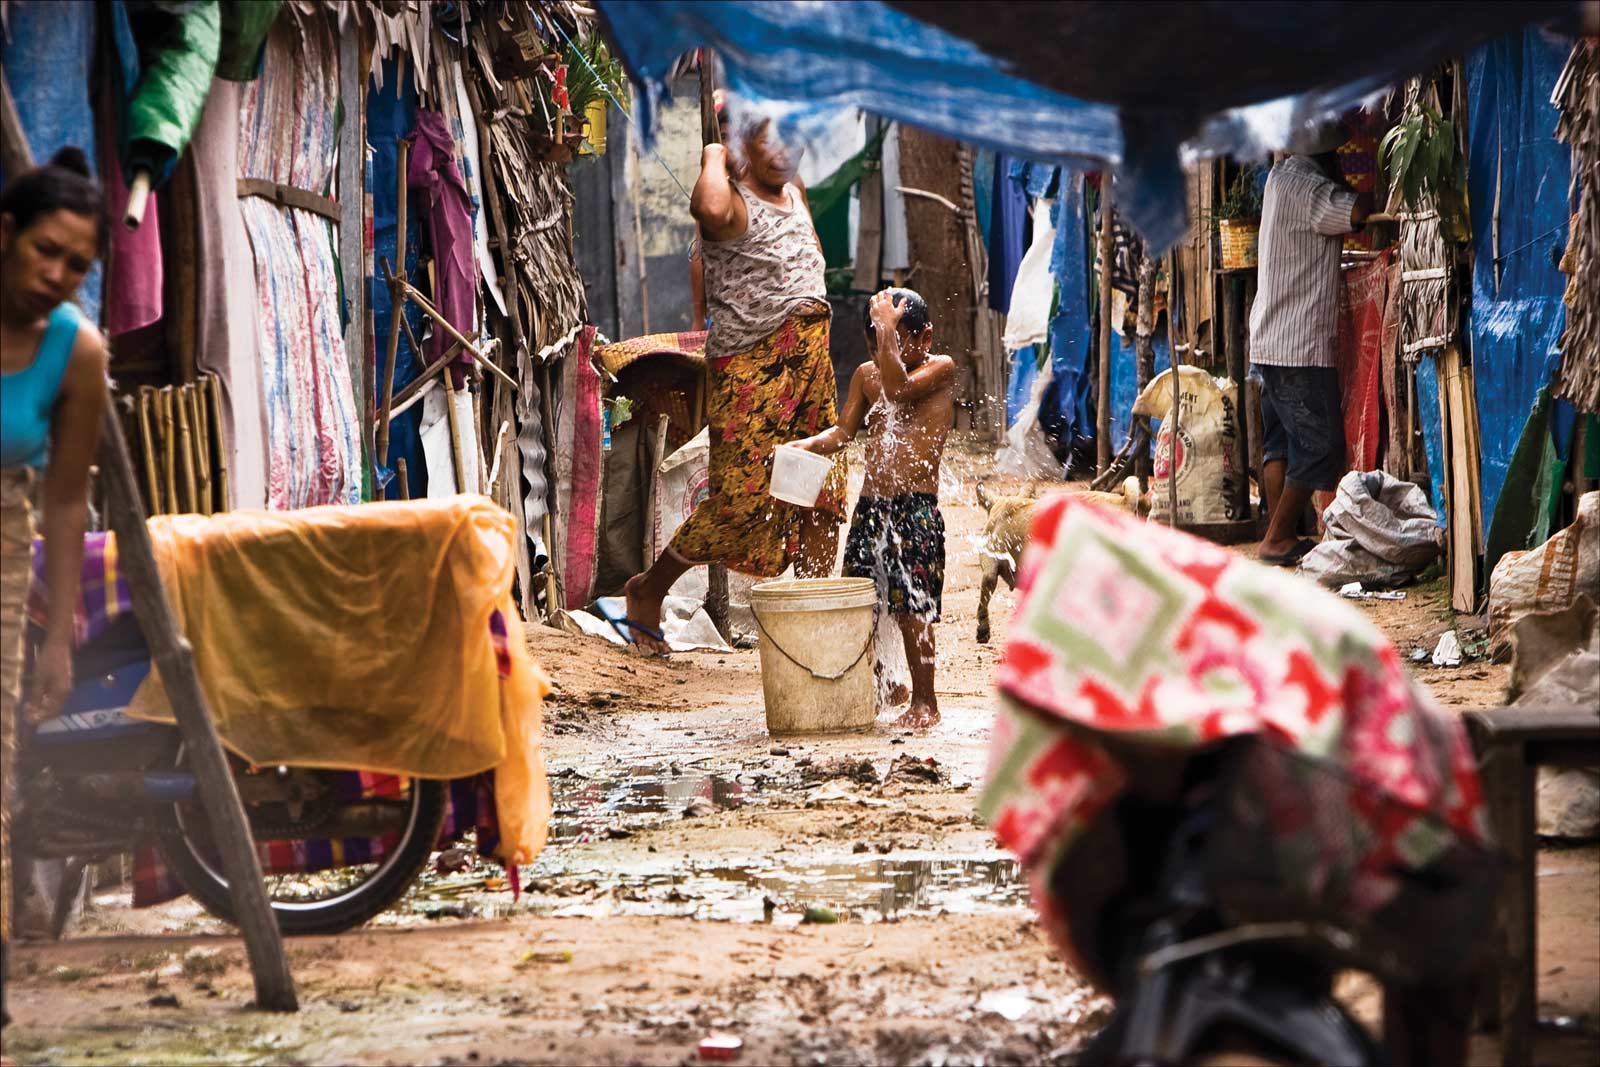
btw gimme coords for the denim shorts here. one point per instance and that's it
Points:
(1302, 421)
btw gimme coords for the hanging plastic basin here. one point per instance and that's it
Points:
(798, 475)
(816, 653)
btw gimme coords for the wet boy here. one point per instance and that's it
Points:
(902, 397)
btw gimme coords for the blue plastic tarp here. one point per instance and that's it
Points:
(1432, 434)
(46, 56)
(1071, 323)
(803, 60)
(1518, 175)
(391, 114)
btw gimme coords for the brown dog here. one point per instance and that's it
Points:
(1010, 518)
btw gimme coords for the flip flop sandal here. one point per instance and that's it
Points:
(624, 625)
(1290, 558)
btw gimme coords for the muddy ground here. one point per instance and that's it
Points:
(687, 846)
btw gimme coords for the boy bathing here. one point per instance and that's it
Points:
(902, 397)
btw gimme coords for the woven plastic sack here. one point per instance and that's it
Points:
(1547, 578)
(1379, 530)
(1207, 430)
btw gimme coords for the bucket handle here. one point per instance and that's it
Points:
(865, 648)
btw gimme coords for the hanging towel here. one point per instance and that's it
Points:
(438, 184)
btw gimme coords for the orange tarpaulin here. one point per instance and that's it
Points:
(359, 637)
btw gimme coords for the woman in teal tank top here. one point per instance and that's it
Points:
(52, 397)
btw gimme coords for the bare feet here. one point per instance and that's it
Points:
(919, 717)
(899, 693)
(646, 611)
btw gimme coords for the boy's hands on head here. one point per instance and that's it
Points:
(886, 312)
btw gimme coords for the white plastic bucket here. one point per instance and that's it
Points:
(816, 653)
(798, 475)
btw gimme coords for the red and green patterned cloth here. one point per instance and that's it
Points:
(1131, 630)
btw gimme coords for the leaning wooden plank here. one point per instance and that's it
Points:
(203, 749)
(1463, 543)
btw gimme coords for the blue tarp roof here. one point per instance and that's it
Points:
(805, 59)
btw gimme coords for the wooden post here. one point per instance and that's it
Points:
(174, 659)
(1238, 370)
(1102, 418)
(716, 573)
(1145, 342)
(1172, 446)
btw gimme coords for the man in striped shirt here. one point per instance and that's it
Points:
(1305, 214)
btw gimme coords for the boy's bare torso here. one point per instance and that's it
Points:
(904, 442)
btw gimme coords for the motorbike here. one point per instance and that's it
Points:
(95, 783)
(1213, 952)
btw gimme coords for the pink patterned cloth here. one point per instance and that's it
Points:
(1131, 631)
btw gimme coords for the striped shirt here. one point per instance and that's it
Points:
(1295, 320)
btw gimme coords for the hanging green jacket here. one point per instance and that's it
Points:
(178, 44)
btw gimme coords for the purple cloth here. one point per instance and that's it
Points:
(434, 176)
(133, 298)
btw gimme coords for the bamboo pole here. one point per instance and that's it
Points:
(185, 452)
(455, 434)
(169, 452)
(202, 444)
(400, 473)
(1102, 419)
(174, 660)
(1145, 341)
(403, 399)
(480, 355)
(224, 493)
(380, 448)
(147, 442)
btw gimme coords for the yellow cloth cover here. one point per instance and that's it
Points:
(357, 637)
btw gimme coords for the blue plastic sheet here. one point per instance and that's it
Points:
(983, 190)
(1517, 313)
(47, 56)
(807, 59)
(1432, 433)
(1019, 384)
(1071, 324)
(390, 116)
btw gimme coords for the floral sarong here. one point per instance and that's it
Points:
(1131, 632)
(779, 391)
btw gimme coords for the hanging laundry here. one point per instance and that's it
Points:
(896, 241)
(288, 134)
(177, 56)
(437, 181)
(1008, 233)
(245, 24)
(228, 346)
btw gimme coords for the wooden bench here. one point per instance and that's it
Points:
(1512, 744)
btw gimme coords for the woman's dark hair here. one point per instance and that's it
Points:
(63, 184)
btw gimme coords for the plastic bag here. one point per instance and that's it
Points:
(1379, 531)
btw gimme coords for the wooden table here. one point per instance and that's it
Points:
(1512, 744)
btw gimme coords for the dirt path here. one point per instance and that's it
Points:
(687, 846)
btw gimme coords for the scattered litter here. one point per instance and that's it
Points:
(698, 808)
(778, 750)
(816, 913)
(908, 768)
(1419, 655)
(164, 1000)
(1447, 653)
(1354, 591)
(1010, 1004)
(860, 847)
(720, 1047)
(533, 956)
(859, 771)
(453, 861)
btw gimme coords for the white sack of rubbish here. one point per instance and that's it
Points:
(1207, 429)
